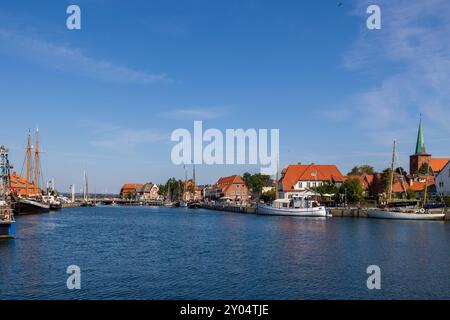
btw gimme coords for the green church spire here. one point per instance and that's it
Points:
(420, 146)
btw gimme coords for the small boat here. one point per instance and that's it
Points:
(194, 205)
(53, 202)
(300, 207)
(88, 204)
(169, 204)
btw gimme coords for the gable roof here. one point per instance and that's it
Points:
(414, 185)
(225, 183)
(131, 187)
(300, 172)
(437, 164)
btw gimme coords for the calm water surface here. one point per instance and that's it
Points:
(162, 253)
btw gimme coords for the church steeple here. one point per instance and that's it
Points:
(420, 157)
(420, 145)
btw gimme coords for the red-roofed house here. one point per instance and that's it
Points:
(130, 190)
(230, 188)
(299, 178)
(418, 186)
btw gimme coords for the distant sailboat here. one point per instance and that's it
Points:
(86, 201)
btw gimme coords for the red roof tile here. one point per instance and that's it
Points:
(301, 172)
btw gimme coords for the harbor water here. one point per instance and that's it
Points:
(177, 253)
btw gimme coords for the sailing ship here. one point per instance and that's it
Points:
(86, 201)
(301, 206)
(31, 201)
(405, 210)
(7, 221)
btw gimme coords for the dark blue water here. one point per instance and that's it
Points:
(161, 253)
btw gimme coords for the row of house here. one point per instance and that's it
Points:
(140, 192)
(300, 178)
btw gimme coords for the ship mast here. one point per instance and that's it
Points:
(193, 181)
(28, 164)
(391, 182)
(426, 185)
(36, 163)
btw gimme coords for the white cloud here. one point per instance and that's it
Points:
(73, 60)
(411, 55)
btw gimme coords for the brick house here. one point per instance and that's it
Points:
(229, 189)
(130, 190)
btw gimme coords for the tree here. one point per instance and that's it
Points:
(386, 179)
(424, 169)
(352, 189)
(326, 188)
(377, 186)
(360, 170)
(256, 182)
(268, 196)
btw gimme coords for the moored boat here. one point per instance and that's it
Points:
(405, 215)
(30, 206)
(300, 207)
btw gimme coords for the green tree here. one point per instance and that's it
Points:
(256, 182)
(326, 188)
(360, 170)
(268, 196)
(424, 169)
(352, 189)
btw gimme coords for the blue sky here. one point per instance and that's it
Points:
(106, 98)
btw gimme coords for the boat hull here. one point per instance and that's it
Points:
(26, 206)
(7, 229)
(298, 212)
(380, 214)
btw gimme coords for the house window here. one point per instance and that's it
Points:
(238, 186)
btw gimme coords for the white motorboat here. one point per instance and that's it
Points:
(300, 207)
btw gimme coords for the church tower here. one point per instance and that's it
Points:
(421, 156)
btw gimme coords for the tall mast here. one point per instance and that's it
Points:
(391, 182)
(36, 163)
(276, 177)
(28, 163)
(426, 185)
(85, 187)
(193, 181)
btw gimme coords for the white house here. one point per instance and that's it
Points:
(443, 181)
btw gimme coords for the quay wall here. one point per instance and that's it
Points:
(71, 205)
(237, 209)
(349, 212)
